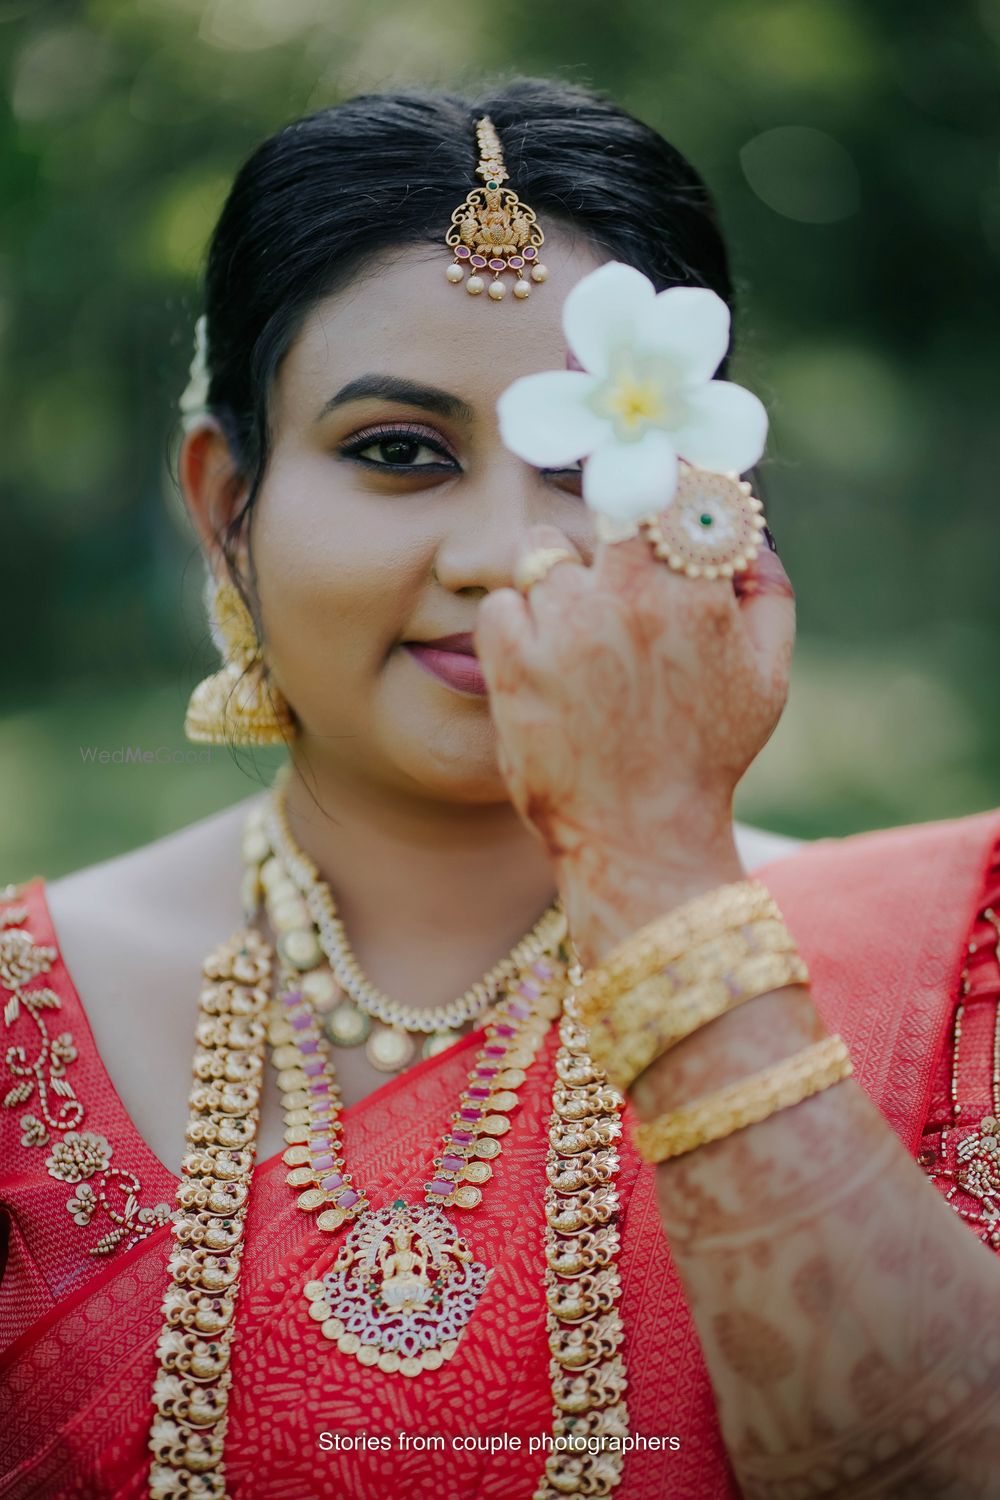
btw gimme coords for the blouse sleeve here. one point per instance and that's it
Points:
(76, 1182)
(960, 1143)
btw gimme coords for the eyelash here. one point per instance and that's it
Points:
(369, 437)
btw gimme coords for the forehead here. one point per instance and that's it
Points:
(403, 317)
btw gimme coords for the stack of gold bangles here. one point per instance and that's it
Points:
(677, 974)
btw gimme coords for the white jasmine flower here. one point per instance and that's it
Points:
(194, 398)
(644, 397)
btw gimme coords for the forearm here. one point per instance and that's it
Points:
(842, 1308)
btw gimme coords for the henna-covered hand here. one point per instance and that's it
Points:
(629, 700)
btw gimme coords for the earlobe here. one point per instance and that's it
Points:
(210, 482)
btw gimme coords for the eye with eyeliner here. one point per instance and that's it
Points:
(407, 438)
(568, 479)
(393, 448)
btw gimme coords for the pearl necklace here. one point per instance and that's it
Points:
(351, 1003)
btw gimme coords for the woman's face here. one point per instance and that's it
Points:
(390, 509)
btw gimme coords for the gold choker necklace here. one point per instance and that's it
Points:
(304, 915)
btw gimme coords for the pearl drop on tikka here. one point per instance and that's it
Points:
(455, 273)
(497, 290)
(474, 286)
(539, 272)
(522, 289)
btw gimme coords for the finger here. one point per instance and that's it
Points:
(501, 636)
(696, 606)
(554, 593)
(621, 565)
(766, 604)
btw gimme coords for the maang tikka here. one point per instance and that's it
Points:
(492, 230)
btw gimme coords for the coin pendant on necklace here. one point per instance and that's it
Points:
(389, 1048)
(300, 948)
(438, 1041)
(467, 1196)
(345, 1025)
(322, 989)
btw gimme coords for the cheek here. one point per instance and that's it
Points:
(337, 584)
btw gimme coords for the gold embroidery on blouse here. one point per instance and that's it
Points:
(76, 1156)
(976, 1170)
(40, 1078)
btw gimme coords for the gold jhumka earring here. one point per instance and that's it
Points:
(238, 705)
(492, 230)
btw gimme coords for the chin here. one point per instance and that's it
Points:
(448, 757)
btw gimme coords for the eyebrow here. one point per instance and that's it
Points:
(407, 392)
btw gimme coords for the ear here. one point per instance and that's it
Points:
(213, 487)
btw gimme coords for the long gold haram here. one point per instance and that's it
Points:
(191, 1389)
(582, 1280)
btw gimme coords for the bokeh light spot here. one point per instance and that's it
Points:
(802, 174)
(59, 72)
(844, 405)
(174, 238)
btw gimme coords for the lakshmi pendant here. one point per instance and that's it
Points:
(401, 1291)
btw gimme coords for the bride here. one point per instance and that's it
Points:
(500, 864)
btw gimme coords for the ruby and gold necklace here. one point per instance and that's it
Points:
(405, 1283)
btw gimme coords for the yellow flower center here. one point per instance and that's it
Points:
(639, 393)
(633, 401)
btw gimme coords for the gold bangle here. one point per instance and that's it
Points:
(669, 938)
(659, 1018)
(715, 961)
(752, 1099)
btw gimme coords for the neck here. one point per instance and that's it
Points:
(407, 872)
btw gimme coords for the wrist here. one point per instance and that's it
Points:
(755, 1036)
(609, 894)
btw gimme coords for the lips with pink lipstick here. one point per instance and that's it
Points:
(452, 660)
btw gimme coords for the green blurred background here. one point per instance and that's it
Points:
(854, 149)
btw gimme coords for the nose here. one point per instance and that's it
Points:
(493, 514)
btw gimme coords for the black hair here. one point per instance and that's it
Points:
(326, 193)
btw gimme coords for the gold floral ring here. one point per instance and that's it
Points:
(534, 566)
(712, 528)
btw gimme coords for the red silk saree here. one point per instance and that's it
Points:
(887, 922)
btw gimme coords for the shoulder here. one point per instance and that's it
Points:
(105, 962)
(130, 934)
(930, 851)
(912, 892)
(184, 884)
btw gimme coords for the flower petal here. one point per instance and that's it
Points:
(545, 418)
(726, 429)
(689, 326)
(605, 310)
(628, 480)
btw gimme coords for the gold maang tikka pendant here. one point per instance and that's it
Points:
(492, 230)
